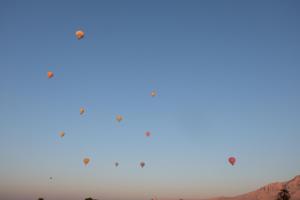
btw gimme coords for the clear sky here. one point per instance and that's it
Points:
(227, 80)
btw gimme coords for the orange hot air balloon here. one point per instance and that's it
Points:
(79, 34)
(232, 160)
(82, 111)
(142, 164)
(62, 134)
(86, 161)
(116, 164)
(153, 93)
(119, 118)
(148, 134)
(50, 74)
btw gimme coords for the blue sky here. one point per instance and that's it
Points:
(227, 80)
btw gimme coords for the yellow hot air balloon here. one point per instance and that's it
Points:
(119, 118)
(79, 34)
(82, 111)
(86, 161)
(62, 134)
(153, 93)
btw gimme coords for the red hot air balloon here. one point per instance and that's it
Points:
(232, 160)
(147, 134)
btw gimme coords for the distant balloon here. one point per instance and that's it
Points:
(62, 134)
(119, 118)
(153, 93)
(142, 164)
(79, 34)
(50, 178)
(82, 111)
(86, 161)
(116, 164)
(232, 160)
(147, 134)
(50, 74)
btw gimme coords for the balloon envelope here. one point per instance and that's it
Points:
(119, 118)
(50, 74)
(153, 93)
(86, 161)
(79, 34)
(147, 134)
(62, 134)
(116, 164)
(81, 111)
(232, 160)
(142, 164)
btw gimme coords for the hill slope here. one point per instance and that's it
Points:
(269, 192)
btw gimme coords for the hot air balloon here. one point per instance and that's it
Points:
(147, 134)
(79, 34)
(153, 93)
(62, 134)
(232, 160)
(119, 118)
(116, 164)
(81, 111)
(50, 178)
(50, 74)
(142, 164)
(86, 161)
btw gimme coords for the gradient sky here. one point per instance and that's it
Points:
(227, 74)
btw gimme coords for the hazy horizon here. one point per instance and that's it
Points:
(227, 80)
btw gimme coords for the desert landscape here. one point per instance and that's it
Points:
(270, 191)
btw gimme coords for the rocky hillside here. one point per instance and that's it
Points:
(269, 192)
